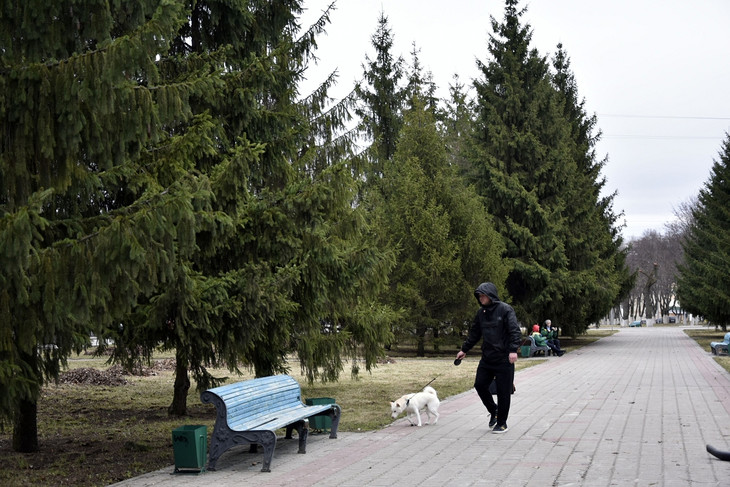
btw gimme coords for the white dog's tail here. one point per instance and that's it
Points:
(429, 390)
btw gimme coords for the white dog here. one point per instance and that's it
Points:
(414, 403)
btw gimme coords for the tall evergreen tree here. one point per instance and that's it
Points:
(598, 274)
(703, 287)
(445, 240)
(458, 126)
(161, 184)
(382, 99)
(294, 261)
(536, 167)
(97, 198)
(420, 84)
(522, 164)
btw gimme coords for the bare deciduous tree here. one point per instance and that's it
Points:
(654, 257)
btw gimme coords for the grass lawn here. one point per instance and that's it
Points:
(93, 433)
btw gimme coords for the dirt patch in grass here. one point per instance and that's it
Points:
(91, 441)
(99, 426)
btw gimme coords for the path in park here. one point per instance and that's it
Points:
(636, 408)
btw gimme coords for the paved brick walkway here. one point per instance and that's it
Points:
(636, 408)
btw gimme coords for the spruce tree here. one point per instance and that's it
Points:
(535, 165)
(522, 165)
(420, 84)
(381, 98)
(458, 124)
(445, 240)
(597, 271)
(290, 271)
(162, 184)
(702, 285)
(97, 197)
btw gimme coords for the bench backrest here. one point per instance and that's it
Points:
(259, 397)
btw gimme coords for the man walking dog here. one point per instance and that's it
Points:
(496, 324)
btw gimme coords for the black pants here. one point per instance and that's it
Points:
(504, 375)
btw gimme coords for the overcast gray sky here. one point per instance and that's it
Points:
(655, 72)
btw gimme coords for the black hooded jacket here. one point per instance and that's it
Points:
(496, 324)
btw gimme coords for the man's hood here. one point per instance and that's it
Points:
(489, 289)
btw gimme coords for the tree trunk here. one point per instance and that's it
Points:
(179, 406)
(25, 429)
(420, 341)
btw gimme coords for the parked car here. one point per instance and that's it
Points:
(638, 323)
(672, 319)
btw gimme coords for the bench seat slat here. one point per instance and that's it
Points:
(280, 420)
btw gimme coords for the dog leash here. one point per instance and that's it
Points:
(422, 388)
(456, 362)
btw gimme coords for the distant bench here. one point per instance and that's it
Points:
(717, 347)
(251, 411)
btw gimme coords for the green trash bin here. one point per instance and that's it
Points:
(322, 421)
(190, 445)
(525, 349)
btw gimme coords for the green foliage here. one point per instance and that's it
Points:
(597, 270)
(457, 128)
(162, 184)
(420, 84)
(523, 166)
(534, 164)
(445, 240)
(85, 177)
(702, 285)
(285, 265)
(382, 100)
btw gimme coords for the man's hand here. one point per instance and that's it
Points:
(460, 355)
(513, 357)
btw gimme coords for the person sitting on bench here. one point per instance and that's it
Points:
(540, 341)
(551, 335)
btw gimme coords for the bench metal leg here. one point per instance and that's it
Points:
(303, 431)
(302, 428)
(224, 440)
(269, 444)
(335, 413)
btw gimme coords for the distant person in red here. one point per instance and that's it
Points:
(496, 325)
(541, 341)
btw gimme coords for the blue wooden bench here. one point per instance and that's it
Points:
(717, 347)
(251, 411)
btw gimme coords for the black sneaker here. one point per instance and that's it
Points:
(492, 420)
(500, 428)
